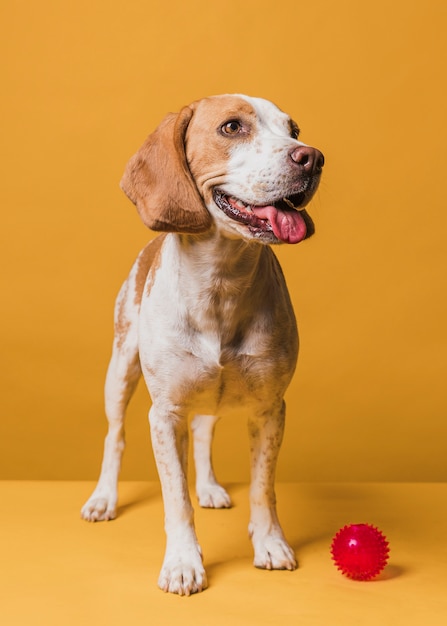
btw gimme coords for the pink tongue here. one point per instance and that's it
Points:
(288, 226)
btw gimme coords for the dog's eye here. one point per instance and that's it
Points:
(233, 127)
(294, 130)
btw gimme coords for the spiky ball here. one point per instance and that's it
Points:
(360, 551)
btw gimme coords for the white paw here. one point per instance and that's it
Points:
(273, 552)
(183, 573)
(213, 497)
(98, 509)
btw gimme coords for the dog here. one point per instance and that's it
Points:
(205, 314)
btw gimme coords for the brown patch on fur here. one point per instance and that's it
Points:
(158, 181)
(208, 167)
(147, 260)
(121, 322)
(146, 264)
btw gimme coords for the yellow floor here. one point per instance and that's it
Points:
(57, 569)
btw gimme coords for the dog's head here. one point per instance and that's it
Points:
(228, 162)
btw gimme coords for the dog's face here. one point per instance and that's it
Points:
(254, 174)
(231, 163)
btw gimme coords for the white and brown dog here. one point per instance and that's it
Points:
(205, 313)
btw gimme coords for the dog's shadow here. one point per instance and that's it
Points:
(137, 495)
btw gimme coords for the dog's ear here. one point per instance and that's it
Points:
(158, 181)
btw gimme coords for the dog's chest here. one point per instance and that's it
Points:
(219, 376)
(214, 344)
(214, 363)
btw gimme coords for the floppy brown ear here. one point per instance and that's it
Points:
(158, 181)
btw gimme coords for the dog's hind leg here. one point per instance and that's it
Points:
(122, 377)
(209, 492)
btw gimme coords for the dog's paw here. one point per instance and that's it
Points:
(273, 552)
(183, 573)
(99, 509)
(213, 497)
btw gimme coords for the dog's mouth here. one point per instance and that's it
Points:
(285, 218)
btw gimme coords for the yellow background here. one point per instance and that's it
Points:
(84, 82)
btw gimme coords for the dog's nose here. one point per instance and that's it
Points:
(309, 159)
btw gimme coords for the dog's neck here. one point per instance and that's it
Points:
(220, 264)
(220, 281)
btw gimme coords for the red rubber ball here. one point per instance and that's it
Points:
(360, 551)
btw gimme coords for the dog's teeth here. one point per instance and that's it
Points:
(238, 203)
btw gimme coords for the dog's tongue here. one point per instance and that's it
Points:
(288, 226)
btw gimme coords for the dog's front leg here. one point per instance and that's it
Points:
(270, 546)
(182, 571)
